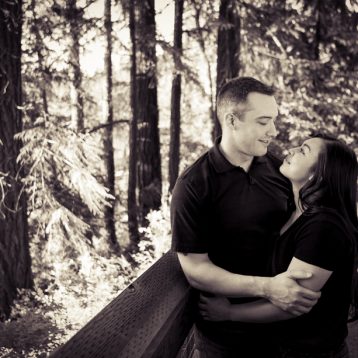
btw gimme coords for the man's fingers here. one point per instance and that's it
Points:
(310, 295)
(296, 313)
(202, 311)
(307, 302)
(299, 274)
(201, 305)
(299, 310)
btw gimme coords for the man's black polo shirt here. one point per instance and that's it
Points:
(232, 215)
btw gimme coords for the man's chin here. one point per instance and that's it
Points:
(260, 152)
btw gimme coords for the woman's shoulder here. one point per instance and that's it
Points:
(328, 222)
(328, 215)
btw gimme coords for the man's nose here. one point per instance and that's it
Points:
(272, 131)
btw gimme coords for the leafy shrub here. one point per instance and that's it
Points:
(73, 282)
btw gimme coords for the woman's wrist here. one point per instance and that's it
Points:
(230, 313)
(233, 312)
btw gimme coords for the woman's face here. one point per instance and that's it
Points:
(300, 163)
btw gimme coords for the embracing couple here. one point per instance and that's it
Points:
(270, 245)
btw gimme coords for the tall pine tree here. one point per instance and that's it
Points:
(15, 262)
(228, 47)
(133, 157)
(149, 161)
(174, 147)
(73, 15)
(108, 140)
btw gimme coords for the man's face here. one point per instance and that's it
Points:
(255, 127)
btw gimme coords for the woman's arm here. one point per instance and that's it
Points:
(204, 275)
(219, 308)
(262, 311)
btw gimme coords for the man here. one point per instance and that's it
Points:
(226, 210)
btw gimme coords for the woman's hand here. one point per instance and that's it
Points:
(214, 308)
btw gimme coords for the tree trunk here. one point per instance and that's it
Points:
(318, 30)
(108, 141)
(74, 17)
(198, 9)
(132, 175)
(41, 59)
(228, 48)
(15, 261)
(174, 146)
(149, 163)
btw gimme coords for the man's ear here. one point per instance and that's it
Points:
(230, 120)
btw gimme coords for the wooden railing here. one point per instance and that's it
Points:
(151, 318)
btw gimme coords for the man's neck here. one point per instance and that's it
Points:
(234, 157)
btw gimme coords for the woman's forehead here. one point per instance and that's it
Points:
(315, 144)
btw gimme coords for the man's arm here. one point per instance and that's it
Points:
(262, 311)
(282, 289)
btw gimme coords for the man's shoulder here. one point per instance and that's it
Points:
(196, 178)
(199, 170)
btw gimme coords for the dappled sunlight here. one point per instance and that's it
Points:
(92, 133)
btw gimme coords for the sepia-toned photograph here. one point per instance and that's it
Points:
(178, 178)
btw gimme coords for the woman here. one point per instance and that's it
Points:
(320, 237)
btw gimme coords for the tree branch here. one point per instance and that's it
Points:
(104, 125)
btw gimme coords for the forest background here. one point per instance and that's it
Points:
(103, 103)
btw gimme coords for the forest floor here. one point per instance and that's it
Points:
(73, 281)
(41, 320)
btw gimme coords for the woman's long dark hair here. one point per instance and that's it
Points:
(334, 186)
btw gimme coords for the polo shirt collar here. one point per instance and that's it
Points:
(221, 164)
(260, 160)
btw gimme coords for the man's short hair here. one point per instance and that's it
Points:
(235, 92)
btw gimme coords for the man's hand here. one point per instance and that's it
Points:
(284, 292)
(214, 308)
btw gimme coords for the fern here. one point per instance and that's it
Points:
(61, 168)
